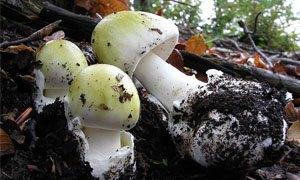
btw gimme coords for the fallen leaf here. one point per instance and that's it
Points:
(159, 12)
(103, 7)
(242, 59)
(18, 48)
(279, 68)
(55, 36)
(258, 62)
(196, 45)
(216, 53)
(293, 133)
(296, 102)
(176, 60)
(6, 144)
(180, 46)
(86, 4)
(292, 113)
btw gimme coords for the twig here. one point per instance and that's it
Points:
(202, 63)
(78, 26)
(183, 3)
(250, 48)
(285, 155)
(255, 22)
(235, 44)
(228, 43)
(24, 116)
(288, 61)
(5, 174)
(45, 31)
(248, 33)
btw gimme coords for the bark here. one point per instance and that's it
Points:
(202, 63)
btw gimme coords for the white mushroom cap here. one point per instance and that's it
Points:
(104, 97)
(61, 60)
(140, 34)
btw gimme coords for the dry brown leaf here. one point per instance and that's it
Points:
(279, 68)
(296, 102)
(180, 46)
(242, 59)
(6, 145)
(196, 45)
(159, 12)
(18, 48)
(293, 133)
(292, 113)
(258, 62)
(103, 7)
(55, 36)
(176, 60)
(216, 53)
(86, 4)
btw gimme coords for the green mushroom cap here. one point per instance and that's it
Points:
(61, 60)
(124, 38)
(103, 96)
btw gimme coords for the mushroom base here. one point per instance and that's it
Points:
(230, 123)
(116, 161)
(102, 143)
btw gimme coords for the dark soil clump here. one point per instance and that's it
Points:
(50, 150)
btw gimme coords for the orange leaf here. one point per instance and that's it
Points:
(279, 68)
(259, 62)
(103, 7)
(293, 133)
(106, 7)
(196, 45)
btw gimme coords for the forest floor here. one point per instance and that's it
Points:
(43, 147)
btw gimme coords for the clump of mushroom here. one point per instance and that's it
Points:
(211, 134)
(60, 61)
(106, 101)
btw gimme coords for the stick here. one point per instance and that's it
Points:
(78, 25)
(288, 61)
(255, 22)
(45, 31)
(248, 33)
(201, 63)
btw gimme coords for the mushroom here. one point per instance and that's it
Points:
(211, 134)
(147, 42)
(60, 61)
(106, 101)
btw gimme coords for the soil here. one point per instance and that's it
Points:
(45, 149)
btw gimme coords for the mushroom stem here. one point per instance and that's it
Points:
(54, 93)
(102, 143)
(164, 81)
